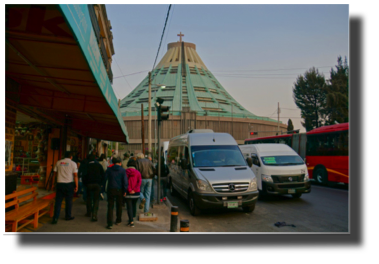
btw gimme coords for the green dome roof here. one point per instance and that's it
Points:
(189, 86)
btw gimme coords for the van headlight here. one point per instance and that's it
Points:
(266, 178)
(253, 185)
(306, 177)
(203, 185)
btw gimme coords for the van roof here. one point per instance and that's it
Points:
(197, 139)
(272, 148)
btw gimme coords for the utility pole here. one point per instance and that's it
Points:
(278, 117)
(142, 131)
(149, 122)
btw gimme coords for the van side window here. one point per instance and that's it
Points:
(172, 155)
(255, 160)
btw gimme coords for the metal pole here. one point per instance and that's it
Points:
(278, 117)
(149, 123)
(142, 131)
(159, 161)
(174, 219)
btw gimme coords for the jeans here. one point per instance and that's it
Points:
(84, 193)
(80, 187)
(164, 187)
(145, 193)
(66, 191)
(131, 207)
(93, 191)
(153, 183)
(114, 195)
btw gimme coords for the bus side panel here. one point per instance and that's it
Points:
(303, 145)
(336, 166)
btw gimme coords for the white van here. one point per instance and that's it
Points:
(279, 169)
(210, 171)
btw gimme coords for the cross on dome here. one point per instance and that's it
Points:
(180, 35)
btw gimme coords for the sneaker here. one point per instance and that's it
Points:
(94, 219)
(109, 227)
(70, 218)
(102, 196)
(88, 214)
(164, 199)
(142, 203)
(117, 223)
(131, 224)
(54, 222)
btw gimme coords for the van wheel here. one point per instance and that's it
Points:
(248, 209)
(192, 205)
(320, 175)
(296, 195)
(173, 192)
(262, 195)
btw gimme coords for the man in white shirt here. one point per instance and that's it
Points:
(67, 185)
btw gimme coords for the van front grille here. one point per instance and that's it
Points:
(230, 187)
(285, 186)
(287, 178)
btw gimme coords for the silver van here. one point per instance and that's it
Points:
(209, 170)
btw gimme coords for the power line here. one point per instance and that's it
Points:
(160, 43)
(130, 74)
(284, 69)
(122, 74)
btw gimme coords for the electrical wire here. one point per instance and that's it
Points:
(284, 69)
(130, 74)
(122, 74)
(164, 28)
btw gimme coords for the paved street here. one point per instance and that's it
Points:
(325, 209)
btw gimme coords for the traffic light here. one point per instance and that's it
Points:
(293, 131)
(162, 109)
(253, 133)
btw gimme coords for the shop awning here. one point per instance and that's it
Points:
(53, 54)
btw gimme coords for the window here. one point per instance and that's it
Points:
(217, 156)
(282, 160)
(328, 144)
(172, 155)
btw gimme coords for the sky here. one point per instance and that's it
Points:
(255, 51)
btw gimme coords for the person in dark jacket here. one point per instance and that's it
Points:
(164, 180)
(116, 189)
(93, 180)
(133, 191)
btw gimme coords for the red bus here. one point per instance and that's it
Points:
(327, 155)
(325, 149)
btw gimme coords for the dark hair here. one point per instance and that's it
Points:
(68, 154)
(91, 157)
(116, 160)
(102, 157)
(132, 163)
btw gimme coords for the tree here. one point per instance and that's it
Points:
(289, 125)
(309, 93)
(337, 100)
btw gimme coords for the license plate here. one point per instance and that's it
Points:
(291, 191)
(232, 204)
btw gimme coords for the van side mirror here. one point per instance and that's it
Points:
(249, 162)
(183, 164)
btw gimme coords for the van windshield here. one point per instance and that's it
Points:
(282, 160)
(217, 156)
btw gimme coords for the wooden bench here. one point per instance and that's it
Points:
(27, 208)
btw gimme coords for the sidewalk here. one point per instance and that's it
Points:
(82, 223)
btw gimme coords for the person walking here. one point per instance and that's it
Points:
(116, 189)
(94, 181)
(103, 162)
(164, 179)
(67, 185)
(124, 163)
(133, 191)
(147, 170)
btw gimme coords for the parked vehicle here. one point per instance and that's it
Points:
(325, 149)
(210, 171)
(279, 169)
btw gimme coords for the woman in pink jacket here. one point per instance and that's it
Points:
(133, 191)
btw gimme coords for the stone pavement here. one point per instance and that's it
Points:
(82, 223)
